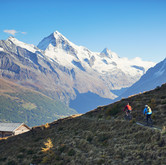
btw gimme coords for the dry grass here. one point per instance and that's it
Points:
(101, 136)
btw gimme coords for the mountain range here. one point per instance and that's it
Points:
(38, 83)
(105, 67)
(154, 77)
(62, 70)
(61, 67)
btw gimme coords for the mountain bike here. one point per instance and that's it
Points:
(128, 116)
(148, 122)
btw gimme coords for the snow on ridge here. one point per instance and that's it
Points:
(161, 70)
(29, 47)
(55, 39)
(1, 49)
(103, 62)
(60, 49)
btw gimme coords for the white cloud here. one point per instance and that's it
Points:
(24, 32)
(13, 32)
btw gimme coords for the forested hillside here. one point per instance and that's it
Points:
(19, 104)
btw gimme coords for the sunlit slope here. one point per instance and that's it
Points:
(19, 104)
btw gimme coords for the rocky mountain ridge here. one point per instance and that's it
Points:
(58, 68)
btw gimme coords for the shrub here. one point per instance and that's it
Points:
(60, 128)
(2, 159)
(103, 137)
(22, 149)
(163, 102)
(163, 97)
(38, 139)
(20, 156)
(100, 116)
(62, 148)
(157, 88)
(152, 103)
(11, 162)
(89, 139)
(163, 131)
(153, 116)
(100, 161)
(48, 158)
(48, 145)
(133, 121)
(112, 111)
(58, 157)
(46, 125)
(30, 152)
(71, 152)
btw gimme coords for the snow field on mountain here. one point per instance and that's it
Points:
(78, 68)
(104, 62)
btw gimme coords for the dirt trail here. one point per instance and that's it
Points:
(108, 121)
(153, 127)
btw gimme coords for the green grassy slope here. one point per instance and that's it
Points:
(19, 104)
(101, 136)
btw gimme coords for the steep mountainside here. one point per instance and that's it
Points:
(19, 104)
(154, 77)
(105, 67)
(101, 136)
(26, 65)
(60, 66)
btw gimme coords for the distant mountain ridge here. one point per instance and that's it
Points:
(154, 77)
(57, 67)
(107, 63)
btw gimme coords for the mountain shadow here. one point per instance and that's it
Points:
(85, 102)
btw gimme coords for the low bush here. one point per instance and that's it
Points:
(114, 110)
(71, 152)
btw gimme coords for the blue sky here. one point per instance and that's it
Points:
(131, 28)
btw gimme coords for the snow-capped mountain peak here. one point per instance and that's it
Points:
(58, 35)
(76, 67)
(43, 45)
(55, 40)
(108, 53)
(12, 39)
(59, 48)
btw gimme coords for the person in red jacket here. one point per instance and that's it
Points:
(128, 109)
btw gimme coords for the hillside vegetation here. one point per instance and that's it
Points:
(18, 104)
(101, 137)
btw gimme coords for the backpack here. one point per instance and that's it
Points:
(149, 110)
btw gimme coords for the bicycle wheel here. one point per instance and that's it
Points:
(125, 117)
(150, 123)
(130, 116)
